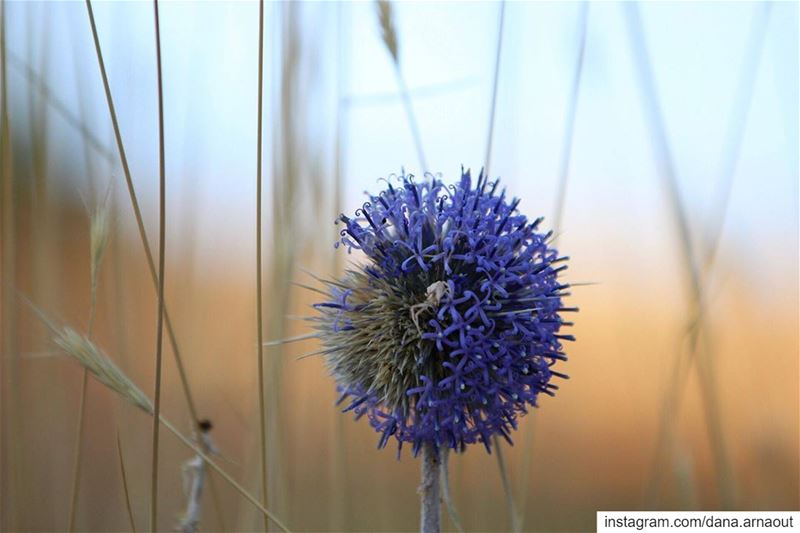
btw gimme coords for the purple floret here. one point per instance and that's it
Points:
(450, 329)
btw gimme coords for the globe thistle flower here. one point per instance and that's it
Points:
(450, 329)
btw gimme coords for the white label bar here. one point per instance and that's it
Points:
(698, 521)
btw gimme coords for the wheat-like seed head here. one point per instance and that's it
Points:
(98, 238)
(388, 30)
(101, 366)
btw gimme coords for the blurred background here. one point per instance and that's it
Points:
(660, 140)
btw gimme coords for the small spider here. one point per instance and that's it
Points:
(434, 295)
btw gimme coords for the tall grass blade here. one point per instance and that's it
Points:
(287, 173)
(259, 304)
(128, 507)
(732, 145)
(136, 209)
(705, 361)
(143, 233)
(496, 78)
(736, 127)
(569, 123)
(39, 150)
(487, 165)
(98, 239)
(563, 176)
(338, 473)
(48, 96)
(162, 215)
(9, 395)
(385, 12)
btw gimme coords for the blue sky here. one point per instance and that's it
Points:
(447, 54)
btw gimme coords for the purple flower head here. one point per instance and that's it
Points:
(450, 329)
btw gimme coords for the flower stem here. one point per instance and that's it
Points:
(430, 515)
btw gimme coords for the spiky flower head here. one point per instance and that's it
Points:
(449, 330)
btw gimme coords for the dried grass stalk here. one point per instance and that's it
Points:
(194, 476)
(101, 367)
(124, 475)
(388, 29)
(104, 370)
(98, 239)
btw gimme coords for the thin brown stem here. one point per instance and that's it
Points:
(77, 459)
(338, 472)
(135, 203)
(9, 395)
(259, 302)
(162, 181)
(128, 506)
(143, 233)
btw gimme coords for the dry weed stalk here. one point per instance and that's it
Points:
(98, 241)
(703, 355)
(143, 233)
(9, 395)
(390, 40)
(194, 475)
(109, 374)
(262, 411)
(124, 475)
(162, 218)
